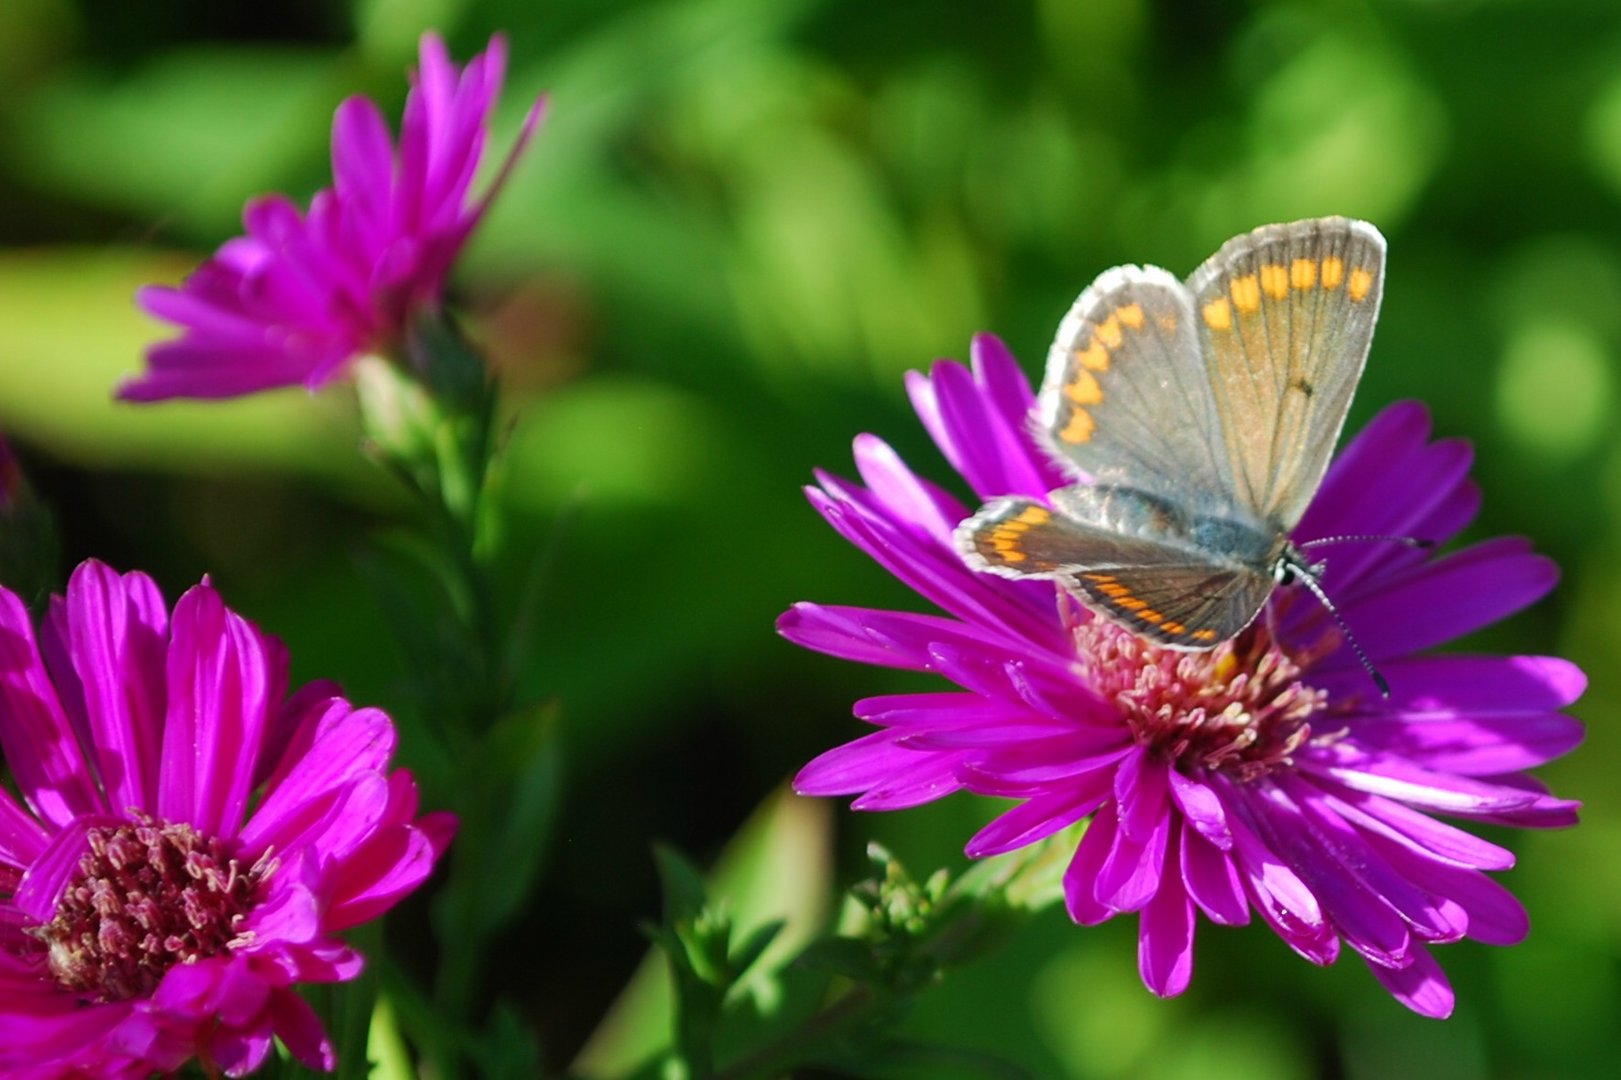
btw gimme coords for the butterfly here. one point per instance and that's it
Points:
(1198, 419)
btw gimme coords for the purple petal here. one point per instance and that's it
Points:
(1282, 899)
(1421, 985)
(1213, 881)
(905, 496)
(392, 863)
(1203, 809)
(1043, 762)
(1481, 746)
(223, 683)
(1039, 817)
(1390, 481)
(300, 1030)
(35, 735)
(1447, 686)
(1081, 875)
(1325, 862)
(1423, 834)
(1432, 918)
(22, 838)
(944, 711)
(117, 638)
(990, 453)
(937, 572)
(1395, 778)
(1165, 938)
(1142, 790)
(336, 746)
(868, 636)
(855, 766)
(1132, 869)
(1447, 598)
(50, 873)
(930, 777)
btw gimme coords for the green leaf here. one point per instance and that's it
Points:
(845, 956)
(683, 885)
(777, 867)
(509, 787)
(507, 1050)
(389, 1058)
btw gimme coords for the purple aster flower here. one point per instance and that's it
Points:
(190, 840)
(1265, 776)
(299, 296)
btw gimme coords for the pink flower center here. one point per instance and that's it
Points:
(147, 895)
(1240, 708)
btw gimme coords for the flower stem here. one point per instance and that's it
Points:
(794, 1046)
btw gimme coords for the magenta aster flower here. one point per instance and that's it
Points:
(1267, 775)
(301, 295)
(190, 840)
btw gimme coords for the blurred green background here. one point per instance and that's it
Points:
(741, 224)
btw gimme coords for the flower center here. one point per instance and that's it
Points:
(147, 895)
(1240, 708)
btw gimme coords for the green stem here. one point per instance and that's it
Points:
(791, 1049)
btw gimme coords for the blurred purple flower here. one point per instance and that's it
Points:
(190, 842)
(1266, 775)
(301, 295)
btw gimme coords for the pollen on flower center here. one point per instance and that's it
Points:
(147, 895)
(1240, 708)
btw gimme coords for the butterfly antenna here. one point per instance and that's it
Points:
(1309, 580)
(1360, 538)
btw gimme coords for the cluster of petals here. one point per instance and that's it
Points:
(190, 840)
(301, 294)
(1267, 777)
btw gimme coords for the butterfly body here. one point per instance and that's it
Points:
(1197, 420)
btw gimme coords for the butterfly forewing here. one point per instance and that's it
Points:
(1285, 317)
(1126, 394)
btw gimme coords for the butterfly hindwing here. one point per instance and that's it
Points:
(1186, 606)
(1285, 318)
(1160, 590)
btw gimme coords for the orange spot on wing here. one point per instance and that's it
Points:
(1132, 316)
(1246, 293)
(1361, 282)
(1083, 388)
(1150, 615)
(1080, 427)
(1333, 272)
(1205, 635)
(1173, 628)
(1218, 314)
(1110, 333)
(1302, 275)
(1095, 357)
(1275, 281)
(1035, 515)
(1131, 603)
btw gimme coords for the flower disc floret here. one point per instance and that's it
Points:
(147, 896)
